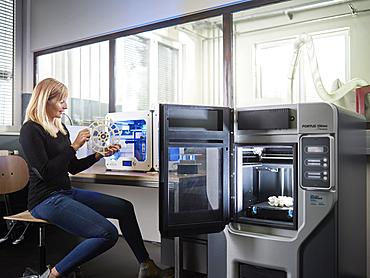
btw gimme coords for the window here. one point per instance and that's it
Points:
(332, 52)
(168, 63)
(273, 65)
(147, 67)
(266, 43)
(7, 48)
(132, 73)
(85, 71)
(179, 64)
(272, 69)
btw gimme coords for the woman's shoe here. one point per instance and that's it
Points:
(48, 273)
(168, 273)
(149, 269)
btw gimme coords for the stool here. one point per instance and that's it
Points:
(26, 216)
(14, 177)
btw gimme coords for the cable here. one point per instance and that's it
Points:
(69, 118)
(332, 96)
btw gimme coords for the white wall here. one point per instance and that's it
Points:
(145, 201)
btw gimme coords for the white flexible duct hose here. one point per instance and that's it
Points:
(332, 96)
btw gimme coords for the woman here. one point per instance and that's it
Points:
(51, 156)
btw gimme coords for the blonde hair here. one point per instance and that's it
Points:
(45, 90)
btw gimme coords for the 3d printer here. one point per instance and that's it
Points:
(138, 139)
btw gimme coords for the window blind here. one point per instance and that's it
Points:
(167, 73)
(7, 34)
(136, 74)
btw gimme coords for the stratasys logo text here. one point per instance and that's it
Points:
(315, 126)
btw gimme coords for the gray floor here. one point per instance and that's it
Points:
(116, 262)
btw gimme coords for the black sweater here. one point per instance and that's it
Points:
(49, 160)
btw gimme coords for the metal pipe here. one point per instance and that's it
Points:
(317, 6)
(190, 32)
(289, 11)
(42, 248)
(301, 22)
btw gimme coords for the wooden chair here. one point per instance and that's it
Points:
(14, 177)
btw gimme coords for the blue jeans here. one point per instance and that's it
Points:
(83, 213)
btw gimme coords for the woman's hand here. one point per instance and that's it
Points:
(112, 149)
(82, 137)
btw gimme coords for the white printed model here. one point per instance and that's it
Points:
(280, 201)
(103, 134)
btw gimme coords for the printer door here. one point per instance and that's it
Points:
(194, 169)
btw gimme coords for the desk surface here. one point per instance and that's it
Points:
(99, 174)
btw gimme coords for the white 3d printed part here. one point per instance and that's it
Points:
(103, 134)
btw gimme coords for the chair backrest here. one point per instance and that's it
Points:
(13, 173)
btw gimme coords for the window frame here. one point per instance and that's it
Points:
(345, 32)
(142, 39)
(86, 62)
(258, 97)
(225, 11)
(300, 94)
